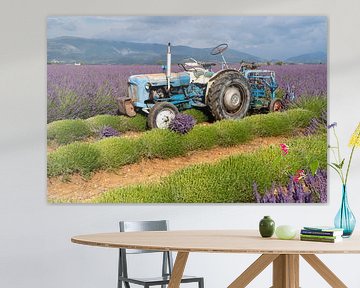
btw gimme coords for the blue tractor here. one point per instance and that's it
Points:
(228, 94)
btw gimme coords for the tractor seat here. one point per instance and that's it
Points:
(207, 65)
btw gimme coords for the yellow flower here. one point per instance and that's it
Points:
(355, 138)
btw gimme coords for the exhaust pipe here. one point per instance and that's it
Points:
(168, 66)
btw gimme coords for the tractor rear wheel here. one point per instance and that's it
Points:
(276, 105)
(229, 96)
(161, 114)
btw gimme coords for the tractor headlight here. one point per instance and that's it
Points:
(147, 87)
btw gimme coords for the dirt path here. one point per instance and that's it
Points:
(78, 189)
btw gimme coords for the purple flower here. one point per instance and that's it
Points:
(108, 131)
(88, 90)
(257, 196)
(316, 124)
(312, 190)
(182, 123)
(332, 125)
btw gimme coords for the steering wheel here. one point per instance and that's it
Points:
(219, 49)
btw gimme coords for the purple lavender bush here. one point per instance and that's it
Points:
(182, 123)
(107, 132)
(88, 90)
(307, 79)
(316, 125)
(313, 189)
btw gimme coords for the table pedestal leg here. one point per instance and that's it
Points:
(324, 271)
(178, 270)
(286, 271)
(253, 270)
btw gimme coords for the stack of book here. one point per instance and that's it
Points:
(321, 234)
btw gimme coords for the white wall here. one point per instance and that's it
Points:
(35, 248)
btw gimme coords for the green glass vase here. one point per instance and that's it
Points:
(266, 227)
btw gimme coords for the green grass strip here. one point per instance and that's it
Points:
(227, 181)
(117, 151)
(71, 130)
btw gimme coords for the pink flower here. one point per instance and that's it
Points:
(300, 174)
(284, 148)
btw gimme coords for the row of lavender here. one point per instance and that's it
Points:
(88, 90)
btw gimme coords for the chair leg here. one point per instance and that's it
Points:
(201, 283)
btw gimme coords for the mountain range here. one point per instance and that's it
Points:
(100, 51)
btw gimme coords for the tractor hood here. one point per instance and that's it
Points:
(159, 79)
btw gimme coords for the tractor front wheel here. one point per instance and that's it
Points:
(229, 96)
(276, 105)
(161, 114)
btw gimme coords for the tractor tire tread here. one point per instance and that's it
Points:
(151, 118)
(214, 94)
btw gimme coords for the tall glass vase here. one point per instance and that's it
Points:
(345, 219)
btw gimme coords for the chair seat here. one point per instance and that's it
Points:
(158, 280)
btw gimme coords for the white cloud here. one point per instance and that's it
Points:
(268, 37)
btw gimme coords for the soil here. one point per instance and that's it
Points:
(77, 189)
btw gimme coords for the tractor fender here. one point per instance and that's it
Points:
(215, 76)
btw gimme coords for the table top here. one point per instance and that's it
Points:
(220, 241)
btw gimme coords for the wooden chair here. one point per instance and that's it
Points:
(167, 262)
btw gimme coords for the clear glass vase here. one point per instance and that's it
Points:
(345, 219)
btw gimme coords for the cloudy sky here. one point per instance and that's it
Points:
(275, 37)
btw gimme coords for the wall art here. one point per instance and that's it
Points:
(190, 109)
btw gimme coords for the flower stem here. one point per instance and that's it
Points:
(339, 155)
(348, 167)
(350, 159)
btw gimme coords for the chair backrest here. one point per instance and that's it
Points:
(134, 226)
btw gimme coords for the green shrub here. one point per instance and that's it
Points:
(316, 104)
(200, 138)
(119, 123)
(272, 124)
(137, 194)
(72, 158)
(116, 151)
(160, 143)
(300, 118)
(232, 132)
(199, 115)
(229, 180)
(137, 123)
(97, 122)
(275, 124)
(66, 131)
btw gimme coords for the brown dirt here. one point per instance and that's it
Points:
(78, 189)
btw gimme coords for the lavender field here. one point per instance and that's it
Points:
(88, 90)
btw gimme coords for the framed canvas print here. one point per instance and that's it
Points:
(200, 109)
